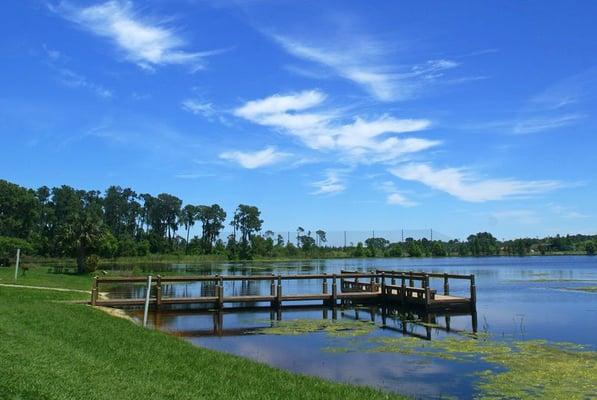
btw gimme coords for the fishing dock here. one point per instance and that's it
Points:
(430, 291)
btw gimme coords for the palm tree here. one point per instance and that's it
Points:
(188, 218)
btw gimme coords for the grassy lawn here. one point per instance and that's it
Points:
(40, 276)
(52, 349)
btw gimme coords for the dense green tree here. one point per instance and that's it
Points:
(414, 249)
(246, 221)
(590, 248)
(212, 222)
(18, 210)
(438, 249)
(482, 244)
(80, 228)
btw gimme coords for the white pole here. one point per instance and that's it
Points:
(146, 310)
(17, 264)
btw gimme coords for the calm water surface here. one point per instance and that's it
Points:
(517, 298)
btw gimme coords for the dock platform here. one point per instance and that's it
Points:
(381, 287)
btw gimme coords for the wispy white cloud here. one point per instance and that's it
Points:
(362, 60)
(332, 184)
(199, 108)
(394, 196)
(464, 185)
(544, 123)
(147, 43)
(566, 212)
(75, 80)
(363, 140)
(521, 216)
(194, 175)
(57, 62)
(257, 159)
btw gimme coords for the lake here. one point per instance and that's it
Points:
(518, 299)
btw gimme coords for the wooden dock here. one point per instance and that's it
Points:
(349, 287)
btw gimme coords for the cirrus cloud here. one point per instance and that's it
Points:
(256, 159)
(461, 183)
(147, 43)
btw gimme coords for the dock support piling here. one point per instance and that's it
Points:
(158, 293)
(473, 291)
(279, 292)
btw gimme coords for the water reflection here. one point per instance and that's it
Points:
(517, 298)
(250, 320)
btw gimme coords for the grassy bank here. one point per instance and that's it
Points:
(53, 349)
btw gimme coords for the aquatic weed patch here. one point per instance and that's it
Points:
(534, 369)
(587, 289)
(538, 369)
(339, 328)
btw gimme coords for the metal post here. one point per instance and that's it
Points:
(147, 293)
(17, 263)
(94, 291)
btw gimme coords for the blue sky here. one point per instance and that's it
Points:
(458, 116)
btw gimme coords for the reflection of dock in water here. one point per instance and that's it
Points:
(382, 288)
(400, 320)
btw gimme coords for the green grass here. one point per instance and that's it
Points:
(40, 276)
(52, 349)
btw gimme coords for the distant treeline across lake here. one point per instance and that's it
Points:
(86, 225)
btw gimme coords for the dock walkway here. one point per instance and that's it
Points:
(377, 287)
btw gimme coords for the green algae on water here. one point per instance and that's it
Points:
(533, 369)
(340, 328)
(587, 289)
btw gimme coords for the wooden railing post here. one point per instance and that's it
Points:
(473, 290)
(158, 293)
(94, 291)
(403, 290)
(279, 292)
(383, 284)
(220, 290)
(334, 290)
(411, 282)
(427, 290)
(272, 290)
(446, 285)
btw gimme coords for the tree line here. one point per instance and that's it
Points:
(68, 222)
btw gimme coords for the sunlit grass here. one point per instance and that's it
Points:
(51, 349)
